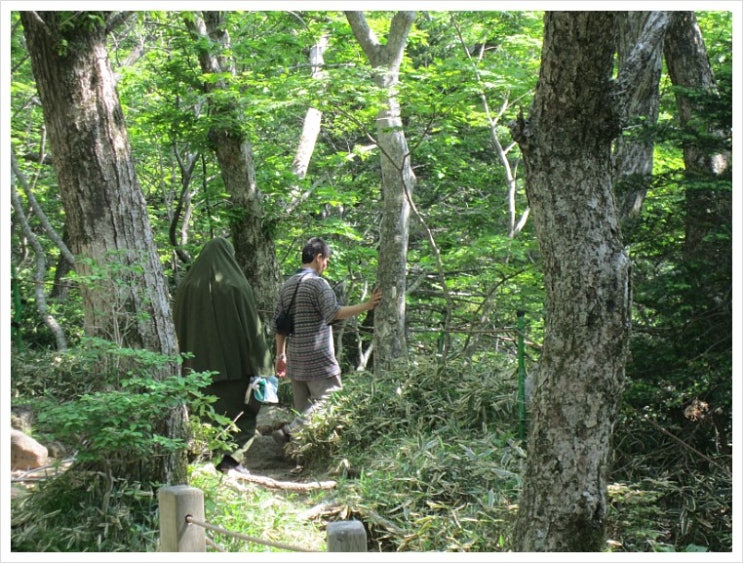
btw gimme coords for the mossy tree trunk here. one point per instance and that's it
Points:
(125, 296)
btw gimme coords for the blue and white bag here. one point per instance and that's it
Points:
(264, 389)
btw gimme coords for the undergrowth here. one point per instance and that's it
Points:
(427, 458)
(277, 518)
(429, 453)
(83, 511)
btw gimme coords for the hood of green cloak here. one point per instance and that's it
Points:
(216, 317)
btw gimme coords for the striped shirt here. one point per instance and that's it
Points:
(310, 352)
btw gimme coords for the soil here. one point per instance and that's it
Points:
(264, 457)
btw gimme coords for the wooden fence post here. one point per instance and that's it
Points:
(346, 535)
(176, 503)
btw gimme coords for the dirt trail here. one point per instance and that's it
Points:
(265, 457)
(268, 466)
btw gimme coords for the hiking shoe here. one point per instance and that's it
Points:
(228, 462)
(280, 436)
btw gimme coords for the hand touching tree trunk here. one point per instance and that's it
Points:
(398, 180)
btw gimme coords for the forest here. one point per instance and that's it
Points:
(544, 200)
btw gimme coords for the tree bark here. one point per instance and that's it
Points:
(105, 209)
(633, 153)
(708, 211)
(566, 142)
(313, 118)
(254, 247)
(398, 181)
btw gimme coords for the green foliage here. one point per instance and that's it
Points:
(441, 492)
(675, 429)
(108, 419)
(85, 512)
(119, 426)
(428, 446)
(662, 514)
(114, 417)
(254, 511)
(429, 452)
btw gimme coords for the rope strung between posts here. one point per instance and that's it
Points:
(278, 545)
(210, 543)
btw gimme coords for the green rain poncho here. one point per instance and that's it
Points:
(216, 318)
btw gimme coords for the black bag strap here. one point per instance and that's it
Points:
(294, 295)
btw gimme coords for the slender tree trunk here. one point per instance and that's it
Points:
(313, 118)
(566, 142)
(633, 152)
(310, 129)
(41, 307)
(254, 247)
(708, 211)
(398, 181)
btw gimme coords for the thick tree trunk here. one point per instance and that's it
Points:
(254, 247)
(566, 145)
(106, 214)
(398, 180)
(577, 110)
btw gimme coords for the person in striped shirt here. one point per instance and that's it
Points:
(307, 356)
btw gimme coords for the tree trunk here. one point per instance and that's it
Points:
(398, 180)
(633, 153)
(566, 145)
(313, 118)
(708, 210)
(41, 307)
(707, 269)
(254, 247)
(310, 129)
(106, 214)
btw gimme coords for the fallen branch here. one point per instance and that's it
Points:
(270, 483)
(684, 444)
(29, 474)
(325, 509)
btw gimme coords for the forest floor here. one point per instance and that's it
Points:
(263, 457)
(267, 458)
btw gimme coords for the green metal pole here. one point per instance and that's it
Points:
(522, 378)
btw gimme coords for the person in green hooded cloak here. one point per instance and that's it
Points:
(217, 322)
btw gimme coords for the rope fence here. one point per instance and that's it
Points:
(277, 545)
(183, 526)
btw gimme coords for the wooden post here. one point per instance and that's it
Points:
(346, 535)
(176, 503)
